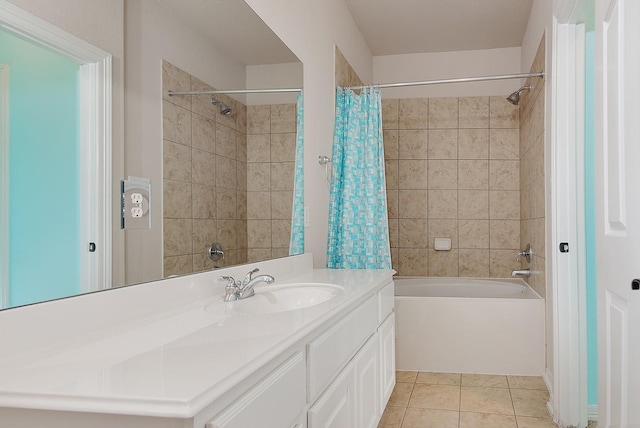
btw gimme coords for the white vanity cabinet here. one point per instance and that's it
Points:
(358, 395)
(192, 361)
(387, 352)
(275, 402)
(350, 373)
(366, 368)
(335, 408)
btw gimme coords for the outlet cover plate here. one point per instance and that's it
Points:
(135, 203)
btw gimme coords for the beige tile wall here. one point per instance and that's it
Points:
(452, 168)
(345, 75)
(271, 144)
(205, 176)
(532, 174)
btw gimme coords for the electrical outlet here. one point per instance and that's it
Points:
(136, 198)
(135, 203)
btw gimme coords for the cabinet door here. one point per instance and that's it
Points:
(335, 407)
(275, 402)
(387, 333)
(329, 352)
(366, 365)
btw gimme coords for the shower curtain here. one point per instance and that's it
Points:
(358, 227)
(296, 244)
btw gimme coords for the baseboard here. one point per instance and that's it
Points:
(592, 412)
(547, 377)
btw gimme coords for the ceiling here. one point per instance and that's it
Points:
(234, 28)
(421, 26)
(390, 27)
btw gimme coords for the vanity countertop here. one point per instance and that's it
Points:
(173, 362)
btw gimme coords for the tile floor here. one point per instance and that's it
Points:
(446, 400)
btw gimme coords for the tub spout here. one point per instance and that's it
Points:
(520, 272)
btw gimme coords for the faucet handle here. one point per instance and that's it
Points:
(231, 289)
(249, 275)
(526, 252)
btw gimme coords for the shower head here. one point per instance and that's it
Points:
(225, 110)
(514, 98)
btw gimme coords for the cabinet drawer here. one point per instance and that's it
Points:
(275, 402)
(328, 353)
(386, 301)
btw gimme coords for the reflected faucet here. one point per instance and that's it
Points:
(236, 290)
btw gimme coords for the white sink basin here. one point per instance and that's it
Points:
(287, 297)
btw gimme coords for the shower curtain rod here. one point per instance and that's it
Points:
(457, 80)
(234, 91)
(379, 85)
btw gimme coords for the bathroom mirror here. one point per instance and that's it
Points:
(230, 182)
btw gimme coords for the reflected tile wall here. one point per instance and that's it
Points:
(204, 168)
(532, 174)
(452, 167)
(345, 75)
(271, 145)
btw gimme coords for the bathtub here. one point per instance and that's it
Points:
(469, 325)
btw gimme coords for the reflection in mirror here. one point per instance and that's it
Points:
(216, 178)
(228, 160)
(228, 176)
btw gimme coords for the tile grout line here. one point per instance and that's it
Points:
(513, 406)
(460, 391)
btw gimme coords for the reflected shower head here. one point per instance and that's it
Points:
(224, 109)
(514, 98)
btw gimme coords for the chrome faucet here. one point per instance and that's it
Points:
(250, 282)
(236, 290)
(521, 272)
(526, 253)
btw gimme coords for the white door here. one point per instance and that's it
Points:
(94, 157)
(618, 202)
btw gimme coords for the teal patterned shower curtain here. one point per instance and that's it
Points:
(358, 225)
(296, 245)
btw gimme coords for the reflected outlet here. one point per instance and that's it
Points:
(135, 203)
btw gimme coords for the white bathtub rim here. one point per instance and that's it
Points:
(439, 280)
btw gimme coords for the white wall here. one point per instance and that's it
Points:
(311, 29)
(541, 23)
(101, 23)
(274, 76)
(448, 65)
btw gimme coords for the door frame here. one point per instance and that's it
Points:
(4, 186)
(569, 392)
(95, 131)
